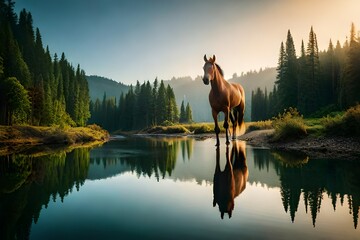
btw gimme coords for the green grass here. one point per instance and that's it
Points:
(347, 124)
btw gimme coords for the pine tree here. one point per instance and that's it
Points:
(130, 99)
(172, 113)
(301, 103)
(182, 113)
(15, 100)
(259, 105)
(161, 111)
(280, 77)
(351, 80)
(154, 94)
(188, 113)
(121, 112)
(311, 85)
(289, 90)
(328, 76)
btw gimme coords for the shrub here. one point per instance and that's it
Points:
(176, 129)
(167, 129)
(346, 125)
(203, 129)
(289, 125)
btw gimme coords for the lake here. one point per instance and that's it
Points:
(177, 188)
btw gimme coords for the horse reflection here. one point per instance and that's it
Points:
(229, 183)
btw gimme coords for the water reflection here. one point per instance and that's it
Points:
(28, 183)
(312, 180)
(146, 156)
(229, 183)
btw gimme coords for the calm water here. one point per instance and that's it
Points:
(178, 188)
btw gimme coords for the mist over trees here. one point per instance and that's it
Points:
(316, 83)
(35, 88)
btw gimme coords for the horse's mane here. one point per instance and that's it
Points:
(220, 69)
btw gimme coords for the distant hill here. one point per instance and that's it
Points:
(252, 80)
(99, 85)
(191, 90)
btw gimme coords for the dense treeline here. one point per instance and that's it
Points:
(315, 82)
(35, 88)
(142, 106)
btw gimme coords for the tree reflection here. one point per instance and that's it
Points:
(27, 183)
(231, 182)
(145, 156)
(310, 180)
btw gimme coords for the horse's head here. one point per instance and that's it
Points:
(209, 69)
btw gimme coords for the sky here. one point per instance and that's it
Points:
(144, 39)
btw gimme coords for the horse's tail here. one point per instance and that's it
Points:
(241, 112)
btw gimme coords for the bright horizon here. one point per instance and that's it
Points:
(141, 40)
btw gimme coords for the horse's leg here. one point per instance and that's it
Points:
(217, 129)
(234, 122)
(240, 119)
(226, 125)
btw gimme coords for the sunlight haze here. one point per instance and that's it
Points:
(141, 40)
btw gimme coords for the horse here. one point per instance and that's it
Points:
(231, 182)
(225, 97)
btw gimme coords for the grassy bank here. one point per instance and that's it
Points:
(33, 135)
(292, 125)
(287, 126)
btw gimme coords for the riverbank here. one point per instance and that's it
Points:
(17, 137)
(330, 147)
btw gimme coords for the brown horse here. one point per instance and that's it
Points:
(225, 97)
(231, 182)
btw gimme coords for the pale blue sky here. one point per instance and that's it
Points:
(140, 40)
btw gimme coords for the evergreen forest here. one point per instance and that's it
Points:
(142, 106)
(316, 83)
(36, 88)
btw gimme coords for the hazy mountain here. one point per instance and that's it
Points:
(191, 90)
(99, 85)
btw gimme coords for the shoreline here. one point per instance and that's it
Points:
(329, 147)
(16, 139)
